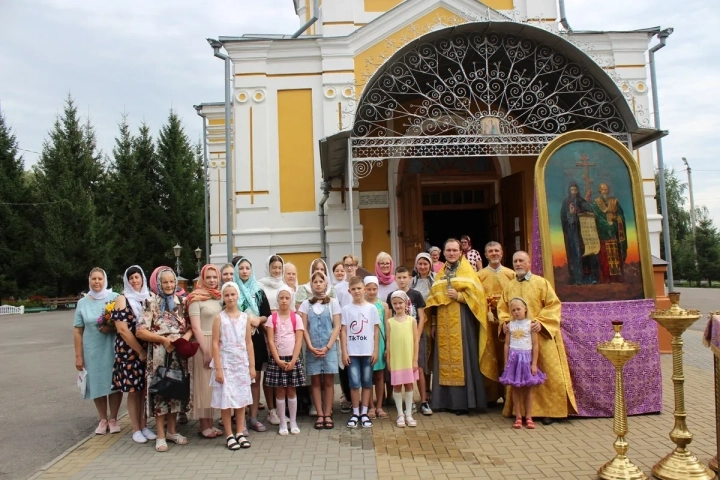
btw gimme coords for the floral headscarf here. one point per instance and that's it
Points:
(168, 301)
(133, 297)
(202, 292)
(247, 298)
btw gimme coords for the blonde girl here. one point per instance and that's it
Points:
(521, 357)
(285, 369)
(402, 356)
(233, 366)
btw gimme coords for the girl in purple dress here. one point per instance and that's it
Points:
(521, 357)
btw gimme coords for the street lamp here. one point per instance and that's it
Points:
(692, 205)
(198, 254)
(178, 250)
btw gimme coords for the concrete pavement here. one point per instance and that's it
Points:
(41, 417)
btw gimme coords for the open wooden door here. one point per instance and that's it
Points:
(514, 228)
(411, 232)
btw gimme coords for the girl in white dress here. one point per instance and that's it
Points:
(233, 369)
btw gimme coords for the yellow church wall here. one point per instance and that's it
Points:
(385, 5)
(302, 261)
(380, 5)
(526, 165)
(296, 151)
(375, 221)
(368, 61)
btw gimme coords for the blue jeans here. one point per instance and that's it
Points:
(360, 372)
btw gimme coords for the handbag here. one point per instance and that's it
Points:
(170, 382)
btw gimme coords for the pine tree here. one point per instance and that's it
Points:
(69, 177)
(15, 211)
(182, 191)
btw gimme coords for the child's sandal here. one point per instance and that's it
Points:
(371, 413)
(329, 424)
(243, 441)
(365, 421)
(518, 424)
(232, 443)
(400, 422)
(319, 423)
(353, 421)
(530, 424)
(161, 445)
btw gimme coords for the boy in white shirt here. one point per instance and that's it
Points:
(359, 336)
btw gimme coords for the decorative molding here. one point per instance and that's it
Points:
(259, 95)
(242, 96)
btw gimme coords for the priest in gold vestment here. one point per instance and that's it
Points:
(554, 398)
(464, 353)
(494, 277)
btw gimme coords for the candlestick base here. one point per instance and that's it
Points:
(682, 464)
(621, 468)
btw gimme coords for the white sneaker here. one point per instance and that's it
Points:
(147, 433)
(313, 411)
(283, 432)
(273, 417)
(138, 437)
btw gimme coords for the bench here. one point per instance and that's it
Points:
(65, 302)
(12, 310)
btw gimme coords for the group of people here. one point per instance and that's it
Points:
(382, 333)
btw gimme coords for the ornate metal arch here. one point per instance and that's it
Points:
(483, 83)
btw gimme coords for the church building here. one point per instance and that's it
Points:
(384, 125)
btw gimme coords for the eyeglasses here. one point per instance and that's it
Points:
(346, 265)
(384, 264)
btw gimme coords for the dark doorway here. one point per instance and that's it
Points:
(443, 224)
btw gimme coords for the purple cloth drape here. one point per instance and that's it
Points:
(584, 325)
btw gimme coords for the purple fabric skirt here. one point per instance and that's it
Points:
(517, 371)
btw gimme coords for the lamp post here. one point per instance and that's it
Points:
(177, 249)
(198, 254)
(692, 205)
(198, 109)
(216, 46)
(662, 37)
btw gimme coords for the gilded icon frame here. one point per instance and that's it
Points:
(641, 224)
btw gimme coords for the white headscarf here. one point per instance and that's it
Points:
(230, 284)
(102, 294)
(327, 272)
(133, 297)
(270, 281)
(371, 279)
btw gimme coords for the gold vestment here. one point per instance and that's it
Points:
(554, 398)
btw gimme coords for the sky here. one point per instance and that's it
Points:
(142, 58)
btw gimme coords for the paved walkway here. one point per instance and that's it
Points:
(443, 446)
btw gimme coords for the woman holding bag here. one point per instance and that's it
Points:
(163, 322)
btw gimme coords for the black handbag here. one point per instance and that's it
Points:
(169, 382)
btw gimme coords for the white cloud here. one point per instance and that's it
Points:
(142, 57)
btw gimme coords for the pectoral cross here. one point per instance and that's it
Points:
(449, 276)
(588, 183)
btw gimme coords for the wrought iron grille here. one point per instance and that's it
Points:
(477, 84)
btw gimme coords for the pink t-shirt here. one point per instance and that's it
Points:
(437, 267)
(284, 334)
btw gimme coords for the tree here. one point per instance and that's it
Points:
(708, 247)
(69, 177)
(15, 210)
(181, 191)
(683, 256)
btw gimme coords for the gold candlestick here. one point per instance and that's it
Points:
(681, 463)
(619, 351)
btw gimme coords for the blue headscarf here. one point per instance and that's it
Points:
(168, 300)
(248, 289)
